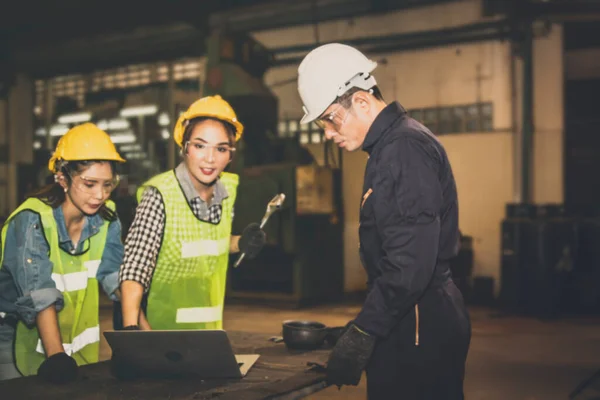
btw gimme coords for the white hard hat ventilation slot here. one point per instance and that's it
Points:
(363, 80)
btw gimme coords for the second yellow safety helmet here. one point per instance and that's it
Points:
(210, 106)
(84, 142)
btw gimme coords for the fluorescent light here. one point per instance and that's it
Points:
(163, 119)
(58, 130)
(118, 123)
(165, 134)
(136, 155)
(40, 132)
(123, 137)
(130, 147)
(139, 111)
(75, 118)
(102, 124)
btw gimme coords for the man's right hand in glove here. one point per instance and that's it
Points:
(349, 357)
(58, 368)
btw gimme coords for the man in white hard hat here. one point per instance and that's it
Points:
(413, 332)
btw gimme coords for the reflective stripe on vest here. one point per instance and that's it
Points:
(200, 248)
(88, 336)
(199, 314)
(188, 284)
(76, 280)
(75, 276)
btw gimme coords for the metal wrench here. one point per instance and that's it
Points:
(274, 205)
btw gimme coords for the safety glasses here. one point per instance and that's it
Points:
(92, 185)
(220, 150)
(327, 121)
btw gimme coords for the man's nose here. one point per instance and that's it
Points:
(330, 133)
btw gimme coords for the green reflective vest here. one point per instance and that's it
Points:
(188, 285)
(75, 278)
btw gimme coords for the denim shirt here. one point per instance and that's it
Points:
(26, 286)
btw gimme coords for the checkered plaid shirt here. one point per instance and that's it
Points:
(144, 237)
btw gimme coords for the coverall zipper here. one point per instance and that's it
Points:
(416, 324)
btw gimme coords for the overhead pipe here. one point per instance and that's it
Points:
(497, 30)
(285, 13)
(412, 36)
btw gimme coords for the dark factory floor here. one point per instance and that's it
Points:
(511, 358)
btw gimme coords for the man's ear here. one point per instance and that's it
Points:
(362, 100)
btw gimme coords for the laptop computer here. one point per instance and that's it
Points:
(206, 354)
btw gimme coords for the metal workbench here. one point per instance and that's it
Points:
(279, 373)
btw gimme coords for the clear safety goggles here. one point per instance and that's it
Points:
(327, 121)
(92, 185)
(207, 150)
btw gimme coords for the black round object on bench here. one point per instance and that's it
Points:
(304, 335)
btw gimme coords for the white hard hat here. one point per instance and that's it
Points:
(330, 71)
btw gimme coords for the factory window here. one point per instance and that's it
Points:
(476, 117)
(76, 86)
(305, 133)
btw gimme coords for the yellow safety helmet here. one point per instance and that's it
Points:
(210, 106)
(84, 142)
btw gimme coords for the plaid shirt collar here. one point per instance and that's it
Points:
(183, 176)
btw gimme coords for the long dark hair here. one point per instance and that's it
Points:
(54, 194)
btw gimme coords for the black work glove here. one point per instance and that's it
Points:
(58, 368)
(334, 333)
(349, 357)
(131, 328)
(252, 240)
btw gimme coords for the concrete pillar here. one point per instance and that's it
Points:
(4, 193)
(20, 133)
(171, 150)
(548, 167)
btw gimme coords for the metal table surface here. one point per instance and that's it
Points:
(279, 373)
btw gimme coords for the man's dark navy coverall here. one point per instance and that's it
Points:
(408, 232)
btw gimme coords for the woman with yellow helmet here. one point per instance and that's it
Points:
(58, 247)
(178, 246)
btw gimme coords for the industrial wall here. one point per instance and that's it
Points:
(483, 162)
(582, 64)
(548, 112)
(16, 139)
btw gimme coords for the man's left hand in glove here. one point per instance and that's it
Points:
(349, 357)
(252, 240)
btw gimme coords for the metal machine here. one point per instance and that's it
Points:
(303, 259)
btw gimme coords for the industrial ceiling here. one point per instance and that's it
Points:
(47, 38)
